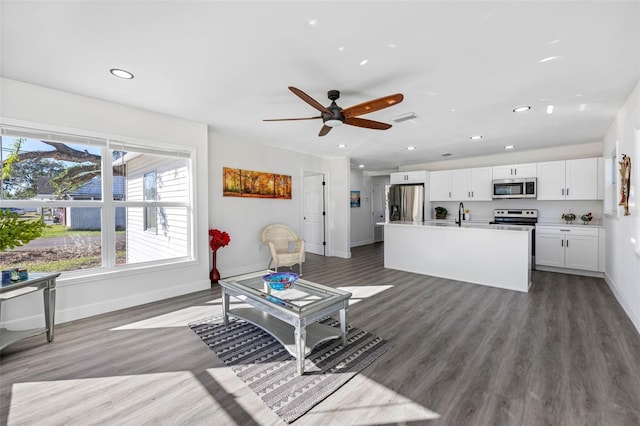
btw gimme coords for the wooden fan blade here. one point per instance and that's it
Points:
(308, 99)
(324, 130)
(369, 124)
(291, 119)
(374, 105)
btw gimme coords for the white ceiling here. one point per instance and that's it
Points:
(462, 67)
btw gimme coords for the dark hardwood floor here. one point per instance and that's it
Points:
(562, 354)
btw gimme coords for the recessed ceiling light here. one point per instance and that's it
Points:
(549, 109)
(583, 107)
(341, 48)
(364, 62)
(392, 45)
(121, 73)
(361, 166)
(509, 147)
(476, 137)
(411, 148)
(313, 22)
(342, 145)
(522, 108)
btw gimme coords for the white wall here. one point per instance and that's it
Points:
(623, 263)
(361, 223)
(78, 298)
(244, 218)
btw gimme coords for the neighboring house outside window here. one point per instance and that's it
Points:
(150, 189)
(101, 200)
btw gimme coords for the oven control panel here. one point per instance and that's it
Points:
(516, 213)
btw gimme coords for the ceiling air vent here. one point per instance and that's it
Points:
(446, 154)
(404, 117)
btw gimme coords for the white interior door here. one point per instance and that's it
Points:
(314, 214)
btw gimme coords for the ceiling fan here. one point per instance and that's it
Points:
(333, 115)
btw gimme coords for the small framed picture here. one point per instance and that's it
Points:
(355, 198)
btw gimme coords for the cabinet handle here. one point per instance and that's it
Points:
(562, 191)
(565, 230)
(567, 243)
(561, 243)
(449, 194)
(471, 194)
(515, 171)
(567, 192)
(511, 172)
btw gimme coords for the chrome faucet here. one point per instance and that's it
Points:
(460, 214)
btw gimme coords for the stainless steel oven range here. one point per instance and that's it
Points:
(519, 217)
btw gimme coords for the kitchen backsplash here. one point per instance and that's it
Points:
(548, 211)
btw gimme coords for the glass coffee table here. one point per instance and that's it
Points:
(289, 315)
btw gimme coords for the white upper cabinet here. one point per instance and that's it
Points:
(461, 184)
(568, 180)
(511, 171)
(440, 185)
(471, 184)
(416, 176)
(481, 188)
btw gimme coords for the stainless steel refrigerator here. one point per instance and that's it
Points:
(406, 203)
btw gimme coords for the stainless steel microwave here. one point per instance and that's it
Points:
(515, 188)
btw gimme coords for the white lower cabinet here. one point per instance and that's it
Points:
(567, 247)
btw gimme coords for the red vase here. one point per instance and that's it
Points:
(214, 275)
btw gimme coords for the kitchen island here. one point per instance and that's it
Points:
(491, 255)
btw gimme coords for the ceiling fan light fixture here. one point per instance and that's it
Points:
(332, 122)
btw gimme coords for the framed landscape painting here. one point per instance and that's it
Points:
(252, 184)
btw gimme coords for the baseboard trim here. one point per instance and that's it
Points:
(581, 272)
(635, 318)
(85, 311)
(362, 243)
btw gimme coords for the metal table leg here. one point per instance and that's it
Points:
(225, 307)
(343, 322)
(49, 294)
(301, 342)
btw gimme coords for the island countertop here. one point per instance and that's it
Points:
(465, 225)
(478, 253)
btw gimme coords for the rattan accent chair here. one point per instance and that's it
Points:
(285, 246)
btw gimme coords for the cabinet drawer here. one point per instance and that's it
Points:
(567, 230)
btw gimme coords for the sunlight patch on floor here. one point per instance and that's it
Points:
(364, 291)
(376, 405)
(179, 318)
(132, 399)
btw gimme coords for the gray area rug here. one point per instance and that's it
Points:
(270, 371)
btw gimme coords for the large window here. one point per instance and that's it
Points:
(109, 204)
